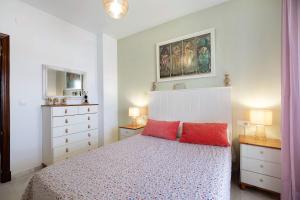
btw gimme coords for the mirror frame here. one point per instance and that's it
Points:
(45, 80)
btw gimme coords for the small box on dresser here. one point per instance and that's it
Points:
(68, 130)
(130, 130)
(260, 163)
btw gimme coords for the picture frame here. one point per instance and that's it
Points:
(186, 57)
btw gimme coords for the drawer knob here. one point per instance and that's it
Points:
(261, 180)
(89, 126)
(89, 143)
(67, 140)
(261, 152)
(66, 130)
(89, 118)
(88, 109)
(261, 166)
(66, 111)
(89, 134)
(67, 150)
(66, 121)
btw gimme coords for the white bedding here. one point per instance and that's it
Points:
(139, 167)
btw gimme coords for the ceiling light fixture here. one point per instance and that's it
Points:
(116, 8)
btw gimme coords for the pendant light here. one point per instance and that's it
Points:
(116, 8)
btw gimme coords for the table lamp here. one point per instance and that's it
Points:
(134, 112)
(261, 118)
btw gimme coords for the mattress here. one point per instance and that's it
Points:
(140, 167)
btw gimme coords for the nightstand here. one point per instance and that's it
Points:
(260, 163)
(130, 130)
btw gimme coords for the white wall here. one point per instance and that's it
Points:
(38, 38)
(108, 64)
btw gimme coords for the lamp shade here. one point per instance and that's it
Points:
(261, 117)
(133, 112)
(116, 8)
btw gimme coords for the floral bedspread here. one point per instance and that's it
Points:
(140, 167)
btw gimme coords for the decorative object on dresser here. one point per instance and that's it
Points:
(68, 131)
(154, 86)
(85, 97)
(130, 130)
(227, 81)
(260, 163)
(261, 118)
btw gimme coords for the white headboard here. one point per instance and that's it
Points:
(192, 105)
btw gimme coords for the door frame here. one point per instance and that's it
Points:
(5, 108)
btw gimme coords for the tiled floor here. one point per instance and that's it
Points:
(14, 189)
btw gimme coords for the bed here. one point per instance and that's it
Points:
(144, 167)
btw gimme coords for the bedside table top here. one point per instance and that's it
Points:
(251, 140)
(132, 127)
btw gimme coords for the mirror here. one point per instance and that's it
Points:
(59, 82)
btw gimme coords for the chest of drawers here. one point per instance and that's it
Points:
(68, 131)
(260, 164)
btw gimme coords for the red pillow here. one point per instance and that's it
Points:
(205, 133)
(161, 129)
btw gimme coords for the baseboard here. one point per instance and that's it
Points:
(26, 172)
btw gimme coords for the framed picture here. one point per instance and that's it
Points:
(187, 57)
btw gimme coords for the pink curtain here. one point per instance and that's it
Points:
(290, 127)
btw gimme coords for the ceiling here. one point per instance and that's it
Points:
(142, 14)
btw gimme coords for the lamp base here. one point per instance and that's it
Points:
(260, 133)
(134, 121)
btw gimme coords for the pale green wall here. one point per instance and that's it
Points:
(247, 47)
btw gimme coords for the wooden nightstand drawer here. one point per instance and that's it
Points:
(260, 153)
(260, 163)
(129, 130)
(262, 181)
(262, 167)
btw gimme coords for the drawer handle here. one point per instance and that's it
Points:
(66, 121)
(261, 166)
(261, 180)
(89, 143)
(89, 134)
(67, 150)
(89, 118)
(67, 140)
(89, 126)
(88, 109)
(66, 131)
(66, 111)
(261, 152)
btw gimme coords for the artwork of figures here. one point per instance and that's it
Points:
(191, 56)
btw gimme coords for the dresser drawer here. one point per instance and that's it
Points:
(60, 153)
(89, 118)
(87, 109)
(66, 130)
(62, 111)
(73, 138)
(125, 133)
(78, 147)
(91, 125)
(260, 153)
(93, 143)
(66, 120)
(262, 167)
(262, 181)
